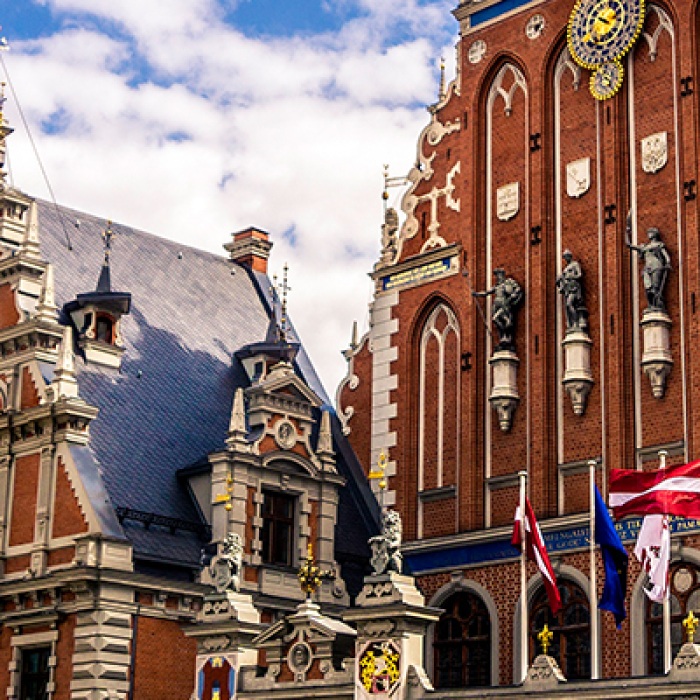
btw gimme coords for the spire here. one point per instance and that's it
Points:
(30, 245)
(5, 129)
(237, 427)
(325, 438)
(442, 92)
(65, 384)
(46, 308)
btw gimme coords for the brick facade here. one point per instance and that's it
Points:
(520, 112)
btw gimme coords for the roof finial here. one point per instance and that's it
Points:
(285, 289)
(3, 98)
(442, 92)
(353, 337)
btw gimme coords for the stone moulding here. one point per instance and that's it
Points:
(656, 358)
(504, 391)
(578, 379)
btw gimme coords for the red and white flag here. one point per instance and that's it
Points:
(672, 491)
(537, 552)
(653, 550)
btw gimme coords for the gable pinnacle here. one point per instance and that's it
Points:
(237, 426)
(325, 438)
(46, 308)
(442, 92)
(65, 384)
(30, 244)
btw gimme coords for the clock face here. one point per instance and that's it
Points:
(606, 80)
(602, 31)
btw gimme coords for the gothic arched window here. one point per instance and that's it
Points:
(685, 596)
(462, 645)
(571, 644)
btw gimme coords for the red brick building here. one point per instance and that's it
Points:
(139, 431)
(519, 163)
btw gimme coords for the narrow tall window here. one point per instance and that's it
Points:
(571, 626)
(277, 529)
(462, 645)
(34, 678)
(685, 596)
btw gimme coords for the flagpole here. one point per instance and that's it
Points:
(667, 599)
(524, 651)
(595, 659)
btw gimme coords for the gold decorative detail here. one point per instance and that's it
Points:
(690, 624)
(228, 496)
(310, 576)
(545, 639)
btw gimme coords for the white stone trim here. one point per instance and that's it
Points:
(18, 643)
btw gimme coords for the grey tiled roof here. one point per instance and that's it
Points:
(170, 404)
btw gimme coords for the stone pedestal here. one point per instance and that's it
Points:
(686, 665)
(391, 619)
(225, 628)
(656, 357)
(577, 379)
(504, 387)
(543, 675)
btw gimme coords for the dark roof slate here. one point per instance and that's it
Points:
(170, 404)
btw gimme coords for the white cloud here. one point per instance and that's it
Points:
(288, 134)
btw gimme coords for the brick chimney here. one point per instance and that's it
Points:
(250, 247)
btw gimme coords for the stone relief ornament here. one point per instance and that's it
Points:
(386, 554)
(285, 435)
(379, 669)
(508, 201)
(225, 567)
(299, 657)
(534, 27)
(578, 177)
(477, 51)
(654, 152)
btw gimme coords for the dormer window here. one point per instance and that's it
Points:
(104, 329)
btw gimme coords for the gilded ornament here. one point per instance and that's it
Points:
(545, 639)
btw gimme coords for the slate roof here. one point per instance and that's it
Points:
(170, 404)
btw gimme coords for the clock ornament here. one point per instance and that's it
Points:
(600, 33)
(606, 80)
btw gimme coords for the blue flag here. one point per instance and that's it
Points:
(615, 559)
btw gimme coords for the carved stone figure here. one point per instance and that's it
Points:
(225, 568)
(507, 295)
(389, 229)
(657, 264)
(386, 548)
(570, 286)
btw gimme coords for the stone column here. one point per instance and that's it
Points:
(391, 619)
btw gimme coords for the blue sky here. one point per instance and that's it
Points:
(196, 118)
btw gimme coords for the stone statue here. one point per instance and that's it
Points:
(570, 286)
(657, 264)
(225, 568)
(389, 229)
(507, 295)
(386, 548)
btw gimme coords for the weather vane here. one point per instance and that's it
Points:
(280, 292)
(379, 475)
(107, 235)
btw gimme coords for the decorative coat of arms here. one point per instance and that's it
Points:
(654, 152)
(379, 668)
(508, 201)
(578, 177)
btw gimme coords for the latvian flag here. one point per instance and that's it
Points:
(537, 552)
(672, 491)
